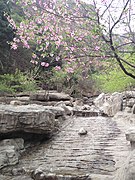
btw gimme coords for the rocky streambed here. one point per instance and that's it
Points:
(102, 153)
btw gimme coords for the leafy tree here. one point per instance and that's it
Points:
(116, 22)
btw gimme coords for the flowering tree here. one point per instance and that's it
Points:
(59, 31)
(73, 32)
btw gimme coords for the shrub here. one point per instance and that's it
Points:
(18, 82)
(115, 80)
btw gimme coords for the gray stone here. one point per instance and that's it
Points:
(109, 105)
(129, 94)
(133, 109)
(8, 156)
(100, 100)
(131, 102)
(48, 95)
(82, 131)
(18, 143)
(16, 102)
(10, 150)
(128, 109)
(28, 118)
(68, 109)
(21, 178)
(130, 135)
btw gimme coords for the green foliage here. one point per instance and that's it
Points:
(18, 82)
(114, 81)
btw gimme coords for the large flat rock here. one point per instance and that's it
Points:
(28, 118)
(49, 96)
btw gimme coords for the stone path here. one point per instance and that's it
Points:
(97, 154)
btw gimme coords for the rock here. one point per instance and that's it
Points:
(82, 131)
(131, 102)
(8, 156)
(16, 102)
(17, 171)
(21, 178)
(38, 174)
(86, 111)
(130, 171)
(78, 102)
(133, 109)
(130, 136)
(128, 109)
(58, 111)
(10, 150)
(100, 100)
(18, 143)
(68, 109)
(109, 105)
(126, 117)
(129, 94)
(32, 118)
(49, 96)
(58, 96)
(86, 107)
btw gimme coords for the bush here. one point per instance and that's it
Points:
(18, 82)
(114, 81)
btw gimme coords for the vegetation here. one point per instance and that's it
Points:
(18, 82)
(71, 45)
(114, 81)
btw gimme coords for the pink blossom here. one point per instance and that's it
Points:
(57, 58)
(38, 41)
(97, 48)
(57, 68)
(94, 37)
(47, 44)
(34, 56)
(14, 46)
(34, 62)
(42, 63)
(67, 48)
(70, 70)
(47, 64)
(26, 45)
(72, 48)
(58, 43)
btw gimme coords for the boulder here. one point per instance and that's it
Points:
(131, 102)
(10, 150)
(129, 94)
(28, 118)
(68, 109)
(18, 143)
(133, 109)
(130, 136)
(109, 105)
(49, 96)
(100, 100)
(8, 156)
